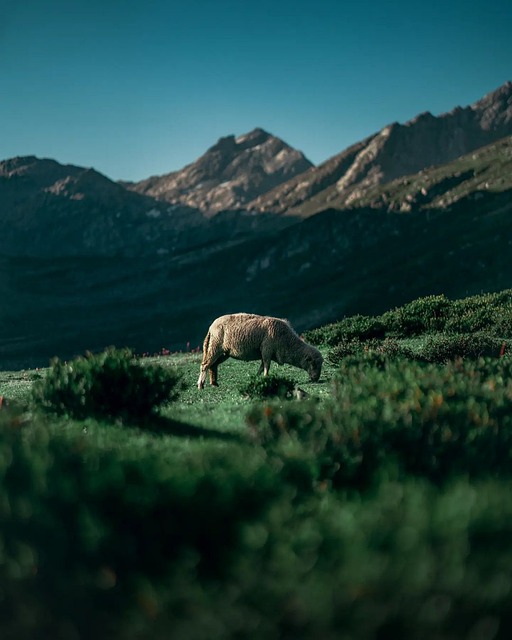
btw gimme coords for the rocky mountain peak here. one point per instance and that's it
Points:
(232, 172)
(494, 110)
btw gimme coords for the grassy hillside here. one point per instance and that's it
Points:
(328, 266)
(377, 506)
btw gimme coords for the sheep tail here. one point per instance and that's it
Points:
(206, 345)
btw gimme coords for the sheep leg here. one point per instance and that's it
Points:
(214, 369)
(266, 359)
(264, 367)
(202, 377)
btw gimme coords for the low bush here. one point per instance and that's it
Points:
(490, 313)
(435, 421)
(378, 350)
(359, 326)
(270, 386)
(95, 521)
(420, 316)
(112, 384)
(444, 347)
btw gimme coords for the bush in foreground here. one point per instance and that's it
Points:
(271, 386)
(114, 534)
(428, 420)
(109, 385)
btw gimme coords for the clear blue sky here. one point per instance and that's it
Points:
(137, 88)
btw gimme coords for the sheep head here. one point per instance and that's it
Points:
(313, 363)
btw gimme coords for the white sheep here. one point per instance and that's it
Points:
(245, 336)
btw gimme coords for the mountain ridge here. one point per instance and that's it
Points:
(394, 151)
(229, 174)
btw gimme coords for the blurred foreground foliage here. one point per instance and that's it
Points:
(111, 533)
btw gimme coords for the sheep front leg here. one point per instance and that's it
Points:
(202, 376)
(266, 359)
(263, 369)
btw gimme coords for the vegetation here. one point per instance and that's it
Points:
(108, 385)
(270, 386)
(490, 313)
(377, 507)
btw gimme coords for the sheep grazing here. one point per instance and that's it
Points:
(245, 336)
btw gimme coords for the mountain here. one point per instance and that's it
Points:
(230, 174)
(397, 150)
(470, 177)
(49, 209)
(362, 260)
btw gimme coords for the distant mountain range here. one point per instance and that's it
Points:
(419, 208)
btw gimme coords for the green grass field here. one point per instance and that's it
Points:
(379, 506)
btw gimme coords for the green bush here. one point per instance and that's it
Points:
(378, 350)
(423, 315)
(427, 420)
(95, 521)
(491, 313)
(444, 347)
(361, 327)
(112, 384)
(106, 535)
(270, 386)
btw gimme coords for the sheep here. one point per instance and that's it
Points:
(245, 336)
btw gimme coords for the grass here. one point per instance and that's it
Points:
(221, 408)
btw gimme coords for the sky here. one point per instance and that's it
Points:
(140, 88)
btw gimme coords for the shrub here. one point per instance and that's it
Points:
(443, 347)
(419, 316)
(359, 326)
(93, 518)
(430, 420)
(270, 386)
(378, 350)
(491, 313)
(112, 384)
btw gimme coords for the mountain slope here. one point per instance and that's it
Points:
(485, 170)
(49, 209)
(397, 150)
(363, 260)
(229, 174)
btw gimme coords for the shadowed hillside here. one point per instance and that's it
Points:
(333, 264)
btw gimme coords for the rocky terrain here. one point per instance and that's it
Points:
(397, 150)
(230, 174)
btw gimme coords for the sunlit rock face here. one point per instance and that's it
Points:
(230, 174)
